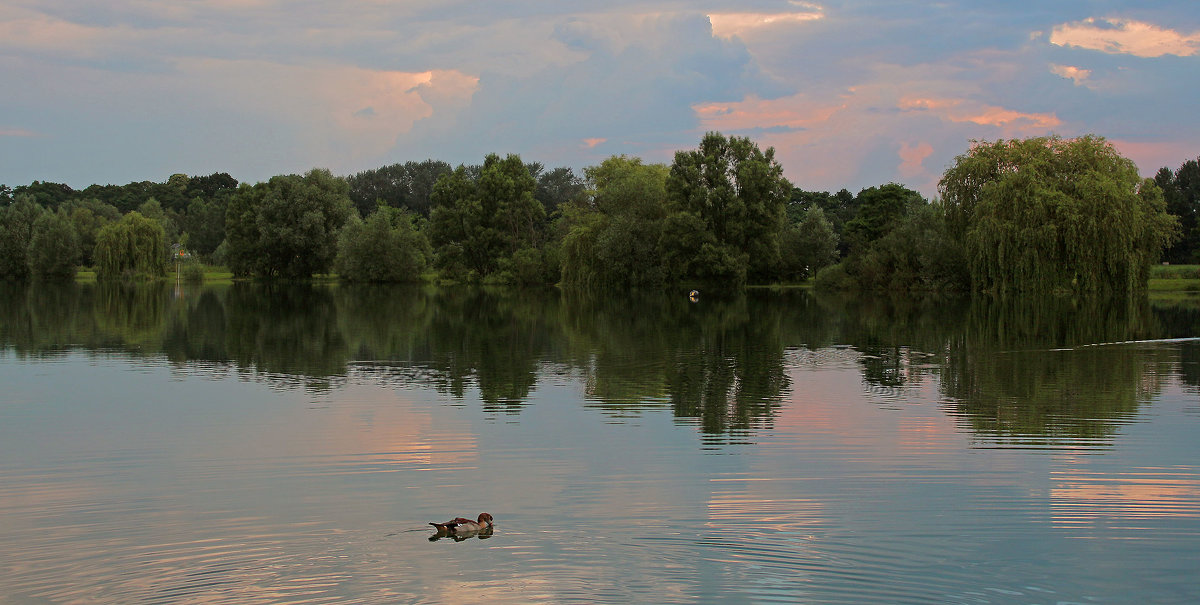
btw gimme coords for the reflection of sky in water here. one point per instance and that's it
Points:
(130, 481)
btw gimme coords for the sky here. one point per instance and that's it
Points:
(850, 94)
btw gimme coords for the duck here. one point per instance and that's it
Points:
(461, 525)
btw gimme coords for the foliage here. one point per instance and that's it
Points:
(917, 254)
(88, 216)
(529, 266)
(465, 241)
(1048, 214)
(879, 210)
(214, 186)
(1181, 192)
(558, 187)
(131, 247)
(808, 246)
(834, 278)
(153, 210)
(44, 193)
(54, 246)
(204, 224)
(839, 209)
(408, 185)
(16, 231)
(192, 272)
(727, 204)
(614, 240)
(286, 227)
(385, 248)
(478, 222)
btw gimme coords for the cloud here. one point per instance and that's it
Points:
(797, 112)
(1120, 36)
(29, 31)
(728, 25)
(848, 93)
(1070, 72)
(967, 110)
(632, 80)
(913, 157)
(345, 114)
(874, 132)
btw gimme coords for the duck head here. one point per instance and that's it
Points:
(485, 520)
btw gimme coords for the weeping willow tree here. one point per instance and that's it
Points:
(1050, 214)
(130, 247)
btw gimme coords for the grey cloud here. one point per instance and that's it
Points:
(636, 85)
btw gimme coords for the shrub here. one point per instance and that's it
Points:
(193, 273)
(385, 248)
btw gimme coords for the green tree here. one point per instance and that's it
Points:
(54, 247)
(408, 185)
(613, 241)
(217, 184)
(204, 224)
(46, 194)
(737, 195)
(133, 246)
(1181, 192)
(808, 246)
(916, 254)
(153, 210)
(480, 224)
(466, 243)
(16, 231)
(1048, 214)
(839, 209)
(88, 216)
(385, 248)
(557, 187)
(288, 226)
(507, 185)
(879, 210)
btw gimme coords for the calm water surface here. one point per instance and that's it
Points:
(271, 444)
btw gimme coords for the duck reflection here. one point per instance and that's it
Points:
(482, 534)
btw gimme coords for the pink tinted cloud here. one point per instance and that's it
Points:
(346, 115)
(592, 143)
(1070, 72)
(17, 132)
(833, 142)
(964, 110)
(728, 25)
(820, 142)
(1122, 36)
(793, 112)
(912, 159)
(28, 31)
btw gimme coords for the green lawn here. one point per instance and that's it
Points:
(1175, 278)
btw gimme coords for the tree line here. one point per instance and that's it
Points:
(1036, 214)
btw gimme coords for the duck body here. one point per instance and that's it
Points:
(462, 525)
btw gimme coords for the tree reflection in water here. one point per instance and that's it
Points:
(718, 363)
(1015, 371)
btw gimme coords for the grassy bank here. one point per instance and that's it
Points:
(1175, 278)
(1163, 278)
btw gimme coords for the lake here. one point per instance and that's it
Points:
(266, 443)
